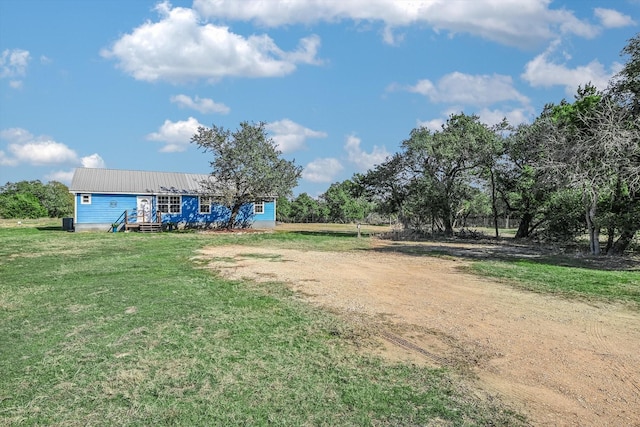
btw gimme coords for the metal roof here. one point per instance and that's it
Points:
(94, 180)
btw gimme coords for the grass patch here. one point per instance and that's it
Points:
(584, 283)
(124, 329)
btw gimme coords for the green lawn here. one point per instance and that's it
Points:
(571, 282)
(125, 329)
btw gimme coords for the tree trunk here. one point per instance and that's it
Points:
(448, 226)
(493, 204)
(623, 242)
(594, 232)
(524, 226)
(232, 218)
(611, 230)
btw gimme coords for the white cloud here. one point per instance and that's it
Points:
(5, 160)
(203, 105)
(467, 89)
(42, 150)
(363, 160)
(181, 48)
(13, 63)
(93, 161)
(25, 148)
(510, 22)
(612, 18)
(433, 125)
(175, 135)
(541, 71)
(487, 116)
(514, 117)
(322, 170)
(291, 136)
(60, 176)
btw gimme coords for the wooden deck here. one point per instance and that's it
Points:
(144, 227)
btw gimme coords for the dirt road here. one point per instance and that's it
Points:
(562, 363)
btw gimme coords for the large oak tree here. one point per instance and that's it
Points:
(246, 167)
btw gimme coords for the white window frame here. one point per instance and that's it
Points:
(170, 204)
(204, 204)
(258, 208)
(85, 199)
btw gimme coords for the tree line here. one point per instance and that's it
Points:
(575, 169)
(33, 199)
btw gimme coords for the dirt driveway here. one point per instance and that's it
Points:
(561, 363)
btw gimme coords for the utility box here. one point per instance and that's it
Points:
(67, 224)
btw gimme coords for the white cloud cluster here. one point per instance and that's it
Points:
(363, 160)
(612, 18)
(511, 22)
(175, 135)
(13, 64)
(203, 105)
(322, 170)
(25, 148)
(291, 136)
(181, 48)
(467, 89)
(541, 71)
(460, 91)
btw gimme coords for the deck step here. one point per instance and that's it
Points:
(150, 227)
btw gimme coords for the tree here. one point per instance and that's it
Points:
(625, 206)
(283, 209)
(54, 197)
(21, 205)
(247, 166)
(445, 160)
(387, 187)
(344, 203)
(521, 182)
(594, 149)
(305, 208)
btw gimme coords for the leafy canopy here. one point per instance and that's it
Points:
(246, 164)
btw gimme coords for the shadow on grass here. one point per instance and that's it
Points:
(320, 233)
(510, 251)
(51, 228)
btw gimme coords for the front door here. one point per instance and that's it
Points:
(144, 209)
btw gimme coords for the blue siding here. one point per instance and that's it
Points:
(107, 208)
(104, 208)
(190, 213)
(269, 212)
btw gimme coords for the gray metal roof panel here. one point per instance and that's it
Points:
(94, 180)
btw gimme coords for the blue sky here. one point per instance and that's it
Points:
(340, 83)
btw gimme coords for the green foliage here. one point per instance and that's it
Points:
(626, 84)
(520, 176)
(344, 204)
(429, 183)
(21, 205)
(564, 216)
(305, 208)
(246, 165)
(53, 197)
(283, 209)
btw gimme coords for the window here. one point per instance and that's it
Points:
(169, 204)
(205, 204)
(86, 199)
(258, 208)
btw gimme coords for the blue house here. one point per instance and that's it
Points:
(150, 201)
